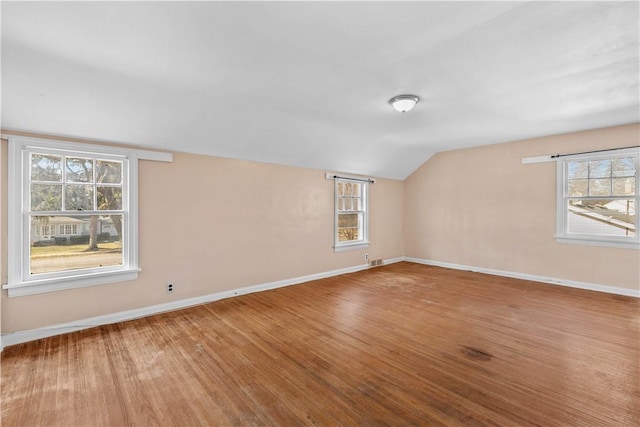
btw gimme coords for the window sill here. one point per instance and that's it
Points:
(34, 287)
(350, 246)
(597, 242)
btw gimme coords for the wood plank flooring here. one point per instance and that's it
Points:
(404, 344)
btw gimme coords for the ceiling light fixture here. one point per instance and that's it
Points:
(404, 103)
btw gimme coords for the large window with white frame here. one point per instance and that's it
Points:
(72, 215)
(597, 198)
(351, 214)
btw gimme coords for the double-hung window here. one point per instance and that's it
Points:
(597, 198)
(72, 215)
(351, 216)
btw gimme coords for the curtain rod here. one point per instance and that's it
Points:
(555, 156)
(369, 180)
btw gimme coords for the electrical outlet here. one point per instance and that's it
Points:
(366, 257)
(170, 288)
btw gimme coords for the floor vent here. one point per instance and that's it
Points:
(375, 262)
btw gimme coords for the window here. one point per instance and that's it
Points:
(85, 196)
(65, 229)
(598, 197)
(350, 214)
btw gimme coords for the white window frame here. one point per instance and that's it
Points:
(363, 241)
(562, 235)
(20, 281)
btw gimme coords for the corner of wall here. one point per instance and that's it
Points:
(3, 223)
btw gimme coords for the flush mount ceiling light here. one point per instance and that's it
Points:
(404, 103)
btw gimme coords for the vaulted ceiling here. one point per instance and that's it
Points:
(307, 83)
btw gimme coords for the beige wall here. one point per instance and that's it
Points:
(481, 207)
(209, 224)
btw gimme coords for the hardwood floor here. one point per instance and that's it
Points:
(404, 344)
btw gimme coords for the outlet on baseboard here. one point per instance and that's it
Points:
(170, 288)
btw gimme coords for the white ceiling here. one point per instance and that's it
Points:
(307, 83)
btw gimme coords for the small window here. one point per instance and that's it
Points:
(350, 214)
(72, 216)
(598, 198)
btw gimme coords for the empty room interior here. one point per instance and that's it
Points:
(320, 213)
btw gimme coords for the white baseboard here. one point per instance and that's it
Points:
(532, 277)
(393, 260)
(63, 328)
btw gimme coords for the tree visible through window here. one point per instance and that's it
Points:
(351, 212)
(71, 222)
(599, 197)
(82, 195)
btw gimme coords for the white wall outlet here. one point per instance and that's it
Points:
(366, 257)
(170, 288)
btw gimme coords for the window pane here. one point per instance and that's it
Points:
(602, 217)
(599, 187)
(351, 212)
(600, 168)
(79, 169)
(348, 227)
(108, 172)
(624, 166)
(348, 234)
(78, 197)
(45, 167)
(578, 187)
(348, 220)
(46, 197)
(577, 170)
(624, 186)
(109, 198)
(70, 247)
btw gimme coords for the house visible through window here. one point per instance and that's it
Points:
(73, 217)
(350, 213)
(598, 198)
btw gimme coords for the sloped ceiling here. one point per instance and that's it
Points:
(307, 83)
